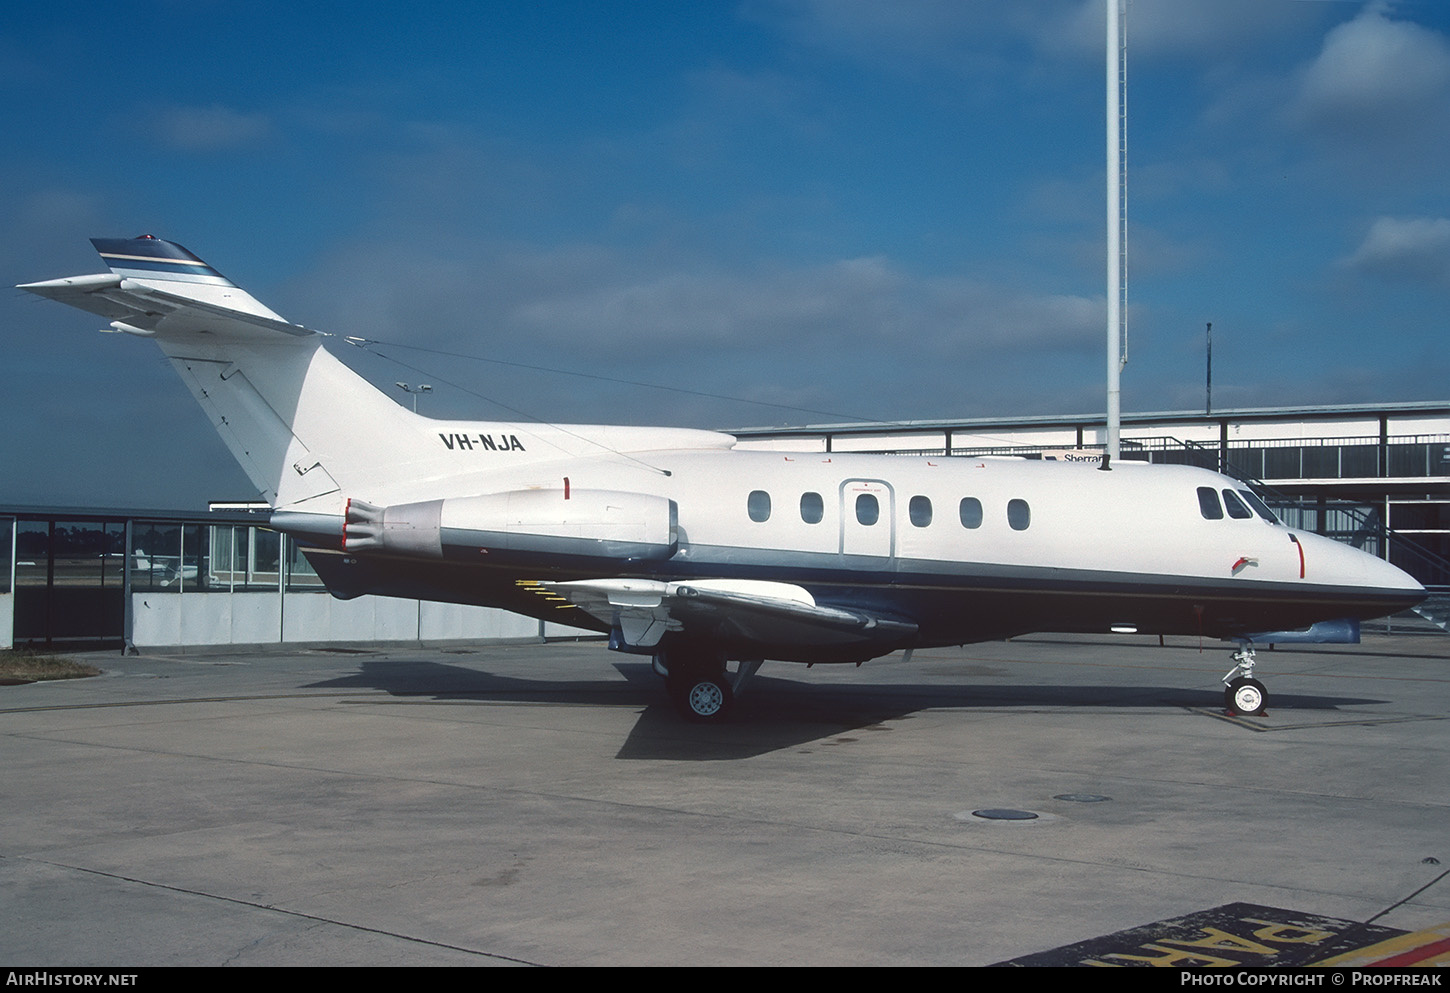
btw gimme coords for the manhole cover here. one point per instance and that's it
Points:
(1004, 814)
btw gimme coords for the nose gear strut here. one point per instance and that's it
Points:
(1243, 694)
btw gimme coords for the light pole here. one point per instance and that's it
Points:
(1208, 384)
(414, 390)
(1117, 290)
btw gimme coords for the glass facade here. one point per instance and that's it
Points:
(174, 557)
(69, 576)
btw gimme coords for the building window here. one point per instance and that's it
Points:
(868, 510)
(813, 508)
(758, 506)
(1019, 515)
(971, 512)
(920, 511)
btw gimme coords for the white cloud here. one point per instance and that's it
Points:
(859, 336)
(210, 129)
(1376, 77)
(861, 303)
(1191, 29)
(968, 35)
(718, 309)
(864, 27)
(1415, 250)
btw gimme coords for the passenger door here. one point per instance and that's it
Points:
(868, 518)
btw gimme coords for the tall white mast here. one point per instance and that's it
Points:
(1117, 80)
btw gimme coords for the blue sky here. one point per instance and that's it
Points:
(829, 209)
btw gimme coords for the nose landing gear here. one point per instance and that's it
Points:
(1243, 694)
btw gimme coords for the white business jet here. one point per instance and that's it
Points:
(685, 549)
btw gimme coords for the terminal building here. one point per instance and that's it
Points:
(1375, 476)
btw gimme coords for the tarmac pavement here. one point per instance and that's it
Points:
(542, 804)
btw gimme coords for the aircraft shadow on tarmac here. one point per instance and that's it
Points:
(775, 712)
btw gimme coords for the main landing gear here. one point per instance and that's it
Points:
(1243, 694)
(700, 685)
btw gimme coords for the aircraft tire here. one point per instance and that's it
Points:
(702, 698)
(1246, 696)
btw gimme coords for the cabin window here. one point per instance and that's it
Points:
(868, 510)
(1208, 504)
(813, 508)
(758, 506)
(1235, 506)
(920, 511)
(970, 511)
(1019, 515)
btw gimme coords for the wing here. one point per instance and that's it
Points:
(754, 618)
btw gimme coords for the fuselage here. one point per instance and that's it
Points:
(965, 549)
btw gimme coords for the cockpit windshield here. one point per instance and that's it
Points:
(1260, 508)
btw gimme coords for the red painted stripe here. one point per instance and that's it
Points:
(1413, 956)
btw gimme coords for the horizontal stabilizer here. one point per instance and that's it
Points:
(158, 288)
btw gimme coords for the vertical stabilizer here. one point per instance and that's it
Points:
(301, 424)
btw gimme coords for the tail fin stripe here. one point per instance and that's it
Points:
(136, 263)
(149, 255)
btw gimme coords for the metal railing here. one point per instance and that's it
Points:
(1400, 457)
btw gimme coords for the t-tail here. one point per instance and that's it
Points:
(304, 427)
(310, 433)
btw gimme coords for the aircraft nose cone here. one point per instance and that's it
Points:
(1392, 577)
(1327, 560)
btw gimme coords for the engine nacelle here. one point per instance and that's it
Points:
(593, 523)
